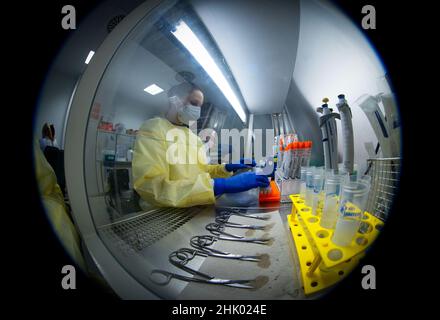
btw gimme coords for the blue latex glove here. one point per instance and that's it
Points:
(232, 167)
(240, 182)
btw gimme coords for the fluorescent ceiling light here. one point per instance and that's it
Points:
(153, 89)
(185, 35)
(89, 57)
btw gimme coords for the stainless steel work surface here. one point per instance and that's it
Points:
(276, 275)
(143, 242)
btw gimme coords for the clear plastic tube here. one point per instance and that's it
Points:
(287, 162)
(309, 152)
(295, 157)
(289, 168)
(280, 160)
(309, 186)
(300, 155)
(332, 189)
(303, 154)
(303, 186)
(354, 196)
(318, 183)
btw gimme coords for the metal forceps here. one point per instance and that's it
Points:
(224, 220)
(218, 229)
(238, 213)
(180, 258)
(203, 243)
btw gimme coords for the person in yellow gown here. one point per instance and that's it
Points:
(53, 202)
(170, 167)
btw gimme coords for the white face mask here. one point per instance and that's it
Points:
(188, 113)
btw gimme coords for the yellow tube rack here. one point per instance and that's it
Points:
(323, 263)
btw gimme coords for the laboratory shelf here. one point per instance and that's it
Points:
(115, 164)
(131, 135)
(323, 263)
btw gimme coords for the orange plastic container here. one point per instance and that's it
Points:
(273, 196)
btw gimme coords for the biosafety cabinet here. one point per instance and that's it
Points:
(262, 65)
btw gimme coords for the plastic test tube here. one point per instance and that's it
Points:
(318, 182)
(280, 159)
(287, 161)
(309, 186)
(301, 155)
(294, 163)
(281, 150)
(303, 186)
(321, 198)
(354, 196)
(332, 189)
(308, 152)
(292, 159)
(299, 161)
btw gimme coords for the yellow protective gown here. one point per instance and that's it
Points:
(170, 167)
(53, 201)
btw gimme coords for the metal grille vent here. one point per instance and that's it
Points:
(385, 175)
(114, 22)
(137, 233)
